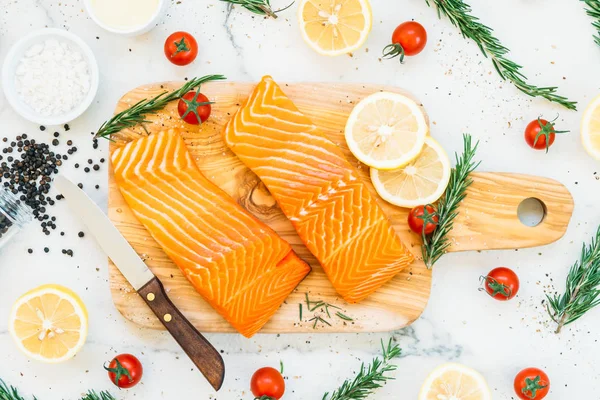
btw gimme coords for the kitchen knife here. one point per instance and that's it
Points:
(201, 352)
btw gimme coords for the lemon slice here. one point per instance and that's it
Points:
(335, 27)
(422, 181)
(590, 128)
(386, 130)
(49, 323)
(456, 382)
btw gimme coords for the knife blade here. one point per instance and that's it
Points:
(201, 352)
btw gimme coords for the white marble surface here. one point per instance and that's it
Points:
(552, 38)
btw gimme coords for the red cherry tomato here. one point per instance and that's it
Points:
(532, 383)
(125, 371)
(501, 283)
(540, 134)
(194, 108)
(408, 39)
(417, 218)
(181, 48)
(267, 382)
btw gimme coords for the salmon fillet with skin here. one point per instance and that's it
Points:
(321, 193)
(237, 263)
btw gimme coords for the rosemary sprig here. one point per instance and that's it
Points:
(136, 114)
(582, 287)
(9, 392)
(261, 7)
(92, 395)
(435, 245)
(593, 10)
(368, 379)
(459, 14)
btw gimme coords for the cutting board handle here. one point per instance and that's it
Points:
(201, 352)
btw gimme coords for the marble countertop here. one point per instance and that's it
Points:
(461, 93)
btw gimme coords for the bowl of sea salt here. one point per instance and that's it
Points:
(50, 77)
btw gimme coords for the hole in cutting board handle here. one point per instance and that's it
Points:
(531, 212)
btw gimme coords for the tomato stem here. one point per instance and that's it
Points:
(192, 106)
(496, 287)
(532, 386)
(119, 371)
(546, 131)
(181, 47)
(394, 50)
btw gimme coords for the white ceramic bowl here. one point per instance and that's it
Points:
(13, 58)
(138, 30)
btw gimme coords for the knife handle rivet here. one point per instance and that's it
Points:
(150, 297)
(167, 317)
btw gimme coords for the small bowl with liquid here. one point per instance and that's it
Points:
(126, 17)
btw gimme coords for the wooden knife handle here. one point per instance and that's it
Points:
(201, 352)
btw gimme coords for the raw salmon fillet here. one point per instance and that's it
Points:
(237, 263)
(319, 191)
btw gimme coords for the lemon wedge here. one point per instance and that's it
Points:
(420, 182)
(335, 27)
(590, 128)
(49, 323)
(386, 130)
(456, 382)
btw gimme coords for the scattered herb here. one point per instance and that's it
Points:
(281, 367)
(435, 245)
(459, 14)
(582, 287)
(317, 319)
(593, 10)
(368, 379)
(314, 305)
(261, 7)
(343, 316)
(136, 114)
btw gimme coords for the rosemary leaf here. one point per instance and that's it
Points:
(582, 287)
(435, 245)
(368, 379)
(593, 10)
(343, 316)
(261, 7)
(136, 114)
(459, 14)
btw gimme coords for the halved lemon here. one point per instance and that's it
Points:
(49, 323)
(456, 382)
(335, 27)
(590, 128)
(422, 181)
(386, 130)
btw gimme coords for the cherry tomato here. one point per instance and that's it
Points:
(501, 283)
(408, 39)
(194, 108)
(540, 134)
(532, 383)
(125, 371)
(267, 382)
(181, 48)
(417, 218)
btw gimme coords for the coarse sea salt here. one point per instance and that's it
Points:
(52, 78)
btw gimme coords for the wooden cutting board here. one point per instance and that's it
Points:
(487, 220)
